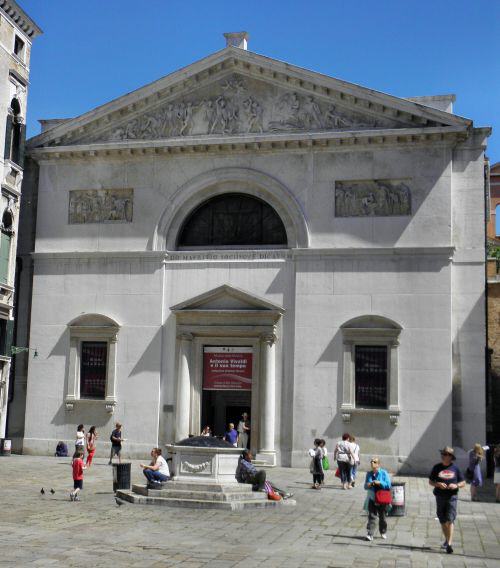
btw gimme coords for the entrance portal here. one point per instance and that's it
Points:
(227, 386)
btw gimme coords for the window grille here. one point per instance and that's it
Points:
(371, 376)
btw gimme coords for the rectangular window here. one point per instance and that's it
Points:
(19, 47)
(93, 368)
(371, 376)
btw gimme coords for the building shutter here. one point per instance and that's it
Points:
(22, 144)
(8, 137)
(4, 257)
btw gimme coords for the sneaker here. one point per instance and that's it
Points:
(369, 537)
(383, 535)
(76, 498)
(449, 549)
(444, 545)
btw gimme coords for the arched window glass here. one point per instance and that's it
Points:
(233, 220)
(14, 134)
(497, 220)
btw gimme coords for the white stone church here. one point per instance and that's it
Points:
(247, 235)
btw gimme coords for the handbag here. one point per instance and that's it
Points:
(383, 497)
(326, 463)
(337, 473)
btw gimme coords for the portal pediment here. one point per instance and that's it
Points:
(226, 298)
(235, 92)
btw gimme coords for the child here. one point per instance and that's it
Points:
(78, 467)
(317, 453)
(231, 435)
(91, 441)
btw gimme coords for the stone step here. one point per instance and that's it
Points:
(206, 495)
(190, 486)
(200, 504)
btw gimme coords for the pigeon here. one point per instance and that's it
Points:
(119, 502)
(42, 491)
(52, 491)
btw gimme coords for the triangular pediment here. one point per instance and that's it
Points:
(226, 298)
(236, 92)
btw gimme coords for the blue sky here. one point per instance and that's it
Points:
(93, 51)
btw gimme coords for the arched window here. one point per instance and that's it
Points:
(14, 134)
(5, 243)
(233, 220)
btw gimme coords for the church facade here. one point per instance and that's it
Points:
(244, 235)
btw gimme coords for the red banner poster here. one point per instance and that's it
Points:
(227, 368)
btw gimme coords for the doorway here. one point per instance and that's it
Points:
(220, 407)
(227, 386)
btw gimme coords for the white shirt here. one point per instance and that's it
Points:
(162, 462)
(80, 439)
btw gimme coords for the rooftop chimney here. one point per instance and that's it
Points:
(237, 39)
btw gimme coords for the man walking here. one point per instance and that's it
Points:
(447, 479)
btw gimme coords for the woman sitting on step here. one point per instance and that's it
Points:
(157, 471)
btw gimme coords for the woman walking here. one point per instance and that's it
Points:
(317, 454)
(355, 455)
(378, 498)
(91, 442)
(473, 473)
(343, 455)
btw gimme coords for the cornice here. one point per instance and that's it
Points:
(20, 18)
(255, 142)
(253, 255)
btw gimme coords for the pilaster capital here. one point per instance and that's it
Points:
(269, 338)
(185, 336)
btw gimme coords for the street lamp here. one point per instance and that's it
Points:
(15, 350)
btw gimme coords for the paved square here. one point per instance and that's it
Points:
(326, 528)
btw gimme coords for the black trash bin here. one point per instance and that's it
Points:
(121, 475)
(398, 494)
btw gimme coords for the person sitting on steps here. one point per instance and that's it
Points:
(246, 472)
(157, 471)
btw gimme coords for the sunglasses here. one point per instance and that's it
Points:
(446, 454)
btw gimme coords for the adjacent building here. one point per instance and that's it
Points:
(248, 235)
(17, 32)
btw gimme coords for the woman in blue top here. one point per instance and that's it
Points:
(376, 479)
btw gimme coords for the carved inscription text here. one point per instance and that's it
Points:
(372, 198)
(101, 206)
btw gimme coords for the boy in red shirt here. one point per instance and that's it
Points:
(78, 467)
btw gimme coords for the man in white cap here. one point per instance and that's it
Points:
(447, 479)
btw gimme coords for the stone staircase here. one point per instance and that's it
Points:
(233, 497)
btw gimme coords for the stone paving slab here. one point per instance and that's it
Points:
(325, 529)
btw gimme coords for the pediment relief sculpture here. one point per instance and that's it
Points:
(242, 105)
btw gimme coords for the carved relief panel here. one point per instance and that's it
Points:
(241, 105)
(101, 206)
(372, 198)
